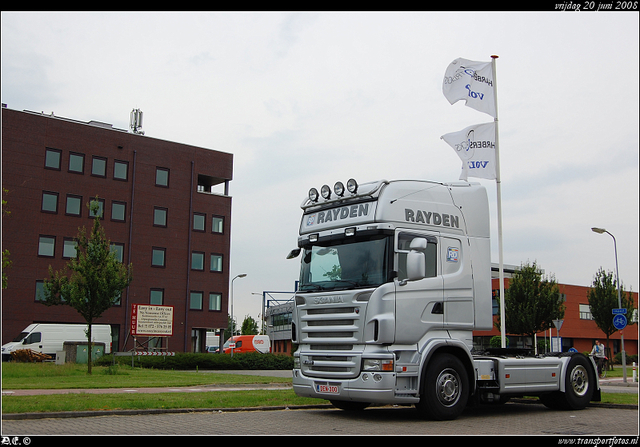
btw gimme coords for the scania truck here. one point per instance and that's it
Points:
(395, 277)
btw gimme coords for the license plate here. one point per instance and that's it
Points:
(327, 389)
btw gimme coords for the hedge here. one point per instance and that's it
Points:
(192, 361)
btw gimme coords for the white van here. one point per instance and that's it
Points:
(50, 338)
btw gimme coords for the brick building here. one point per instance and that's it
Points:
(165, 208)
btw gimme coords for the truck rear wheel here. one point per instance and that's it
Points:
(580, 382)
(445, 388)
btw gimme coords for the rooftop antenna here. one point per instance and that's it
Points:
(135, 121)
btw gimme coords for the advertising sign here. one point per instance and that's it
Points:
(151, 321)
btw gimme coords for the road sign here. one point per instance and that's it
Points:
(619, 322)
(619, 311)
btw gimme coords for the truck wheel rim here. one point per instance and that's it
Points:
(579, 380)
(448, 387)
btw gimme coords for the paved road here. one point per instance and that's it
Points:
(508, 419)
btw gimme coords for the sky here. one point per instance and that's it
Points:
(307, 98)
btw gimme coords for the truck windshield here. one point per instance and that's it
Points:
(345, 264)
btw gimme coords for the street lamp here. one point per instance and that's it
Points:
(241, 275)
(615, 250)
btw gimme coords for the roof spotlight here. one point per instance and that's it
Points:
(326, 192)
(313, 195)
(352, 186)
(338, 188)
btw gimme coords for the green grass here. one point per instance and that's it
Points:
(26, 376)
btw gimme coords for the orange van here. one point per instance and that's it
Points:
(248, 343)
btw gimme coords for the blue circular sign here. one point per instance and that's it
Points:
(619, 322)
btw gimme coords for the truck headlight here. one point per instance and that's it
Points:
(377, 365)
(296, 362)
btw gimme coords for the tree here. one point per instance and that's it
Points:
(532, 302)
(603, 297)
(249, 326)
(93, 281)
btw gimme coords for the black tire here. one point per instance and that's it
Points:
(579, 382)
(445, 388)
(348, 405)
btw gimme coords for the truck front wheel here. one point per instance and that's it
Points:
(445, 389)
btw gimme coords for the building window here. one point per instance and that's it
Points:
(159, 217)
(49, 202)
(195, 301)
(215, 301)
(585, 312)
(99, 166)
(69, 248)
(39, 291)
(52, 158)
(217, 224)
(197, 260)
(47, 246)
(100, 212)
(118, 211)
(118, 251)
(199, 221)
(74, 205)
(156, 297)
(120, 170)
(162, 177)
(157, 257)
(76, 163)
(216, 262)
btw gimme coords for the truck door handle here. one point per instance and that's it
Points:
(438, 308)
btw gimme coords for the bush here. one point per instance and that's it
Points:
(192, 361)
(630, 358)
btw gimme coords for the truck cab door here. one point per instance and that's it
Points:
(419, 298)
(458, 284)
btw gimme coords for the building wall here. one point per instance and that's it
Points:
(25, 139)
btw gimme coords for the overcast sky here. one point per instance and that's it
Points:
(303, 99)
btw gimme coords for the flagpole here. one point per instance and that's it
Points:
(503, 337)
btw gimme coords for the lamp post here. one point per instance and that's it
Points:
(615, 250)
(241, 275)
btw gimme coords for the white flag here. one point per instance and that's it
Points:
(476, 147)
(472, 82)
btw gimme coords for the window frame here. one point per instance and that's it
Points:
(191, 296)
(40, 240)
(75, 154)
(66, 205)
(126, 170)
(166, 216)
(49, 193)
(124, 212)
(95, 158)
(161, 169)
(51, 150)
(220, 256)
(162, 250)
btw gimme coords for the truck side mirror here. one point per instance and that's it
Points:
(415, 259)
(293, 253)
